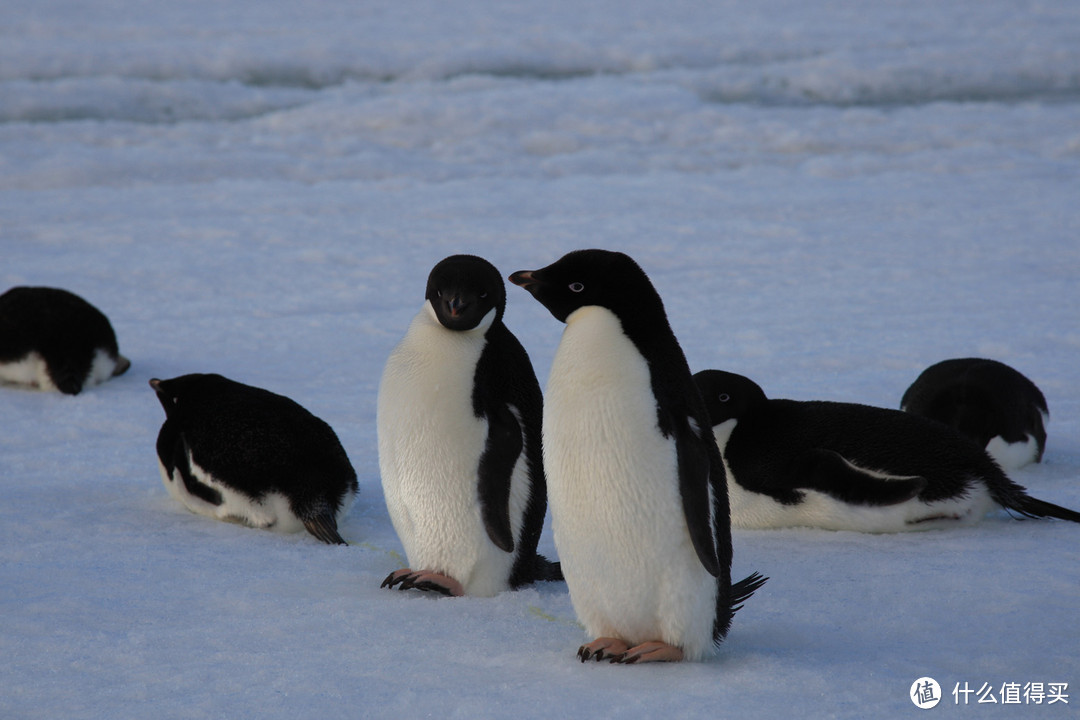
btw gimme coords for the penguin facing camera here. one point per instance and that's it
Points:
(990, 402)
(52, 339)
(459, 420)
(844, 466)
(636, 485)
(243, 454)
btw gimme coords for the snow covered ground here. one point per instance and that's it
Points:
(829, 196)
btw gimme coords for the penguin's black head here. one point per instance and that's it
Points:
(463, 289)
(592, 277)
(172, 393)
(727, 395)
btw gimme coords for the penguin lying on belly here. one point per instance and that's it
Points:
(459, 417)
(988, 401)
(843, 466)
(52, 339)
(240, 453)
(638, 499)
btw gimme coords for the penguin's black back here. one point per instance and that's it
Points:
(258, 442)
(62, 327)
(873, 438)
(981, 398)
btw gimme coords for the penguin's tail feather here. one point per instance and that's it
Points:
(742, 590)
(1013, 496)
(548, 570)
(1035, 508)
(324, 527)
(726, 607)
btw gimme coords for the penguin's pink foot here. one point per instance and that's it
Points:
(425, 580)
(654, 651)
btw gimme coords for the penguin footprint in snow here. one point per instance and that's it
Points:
(240, 453)
(52, 339)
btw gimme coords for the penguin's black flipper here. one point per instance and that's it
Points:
(501, 452)
(693, 461)
(180, 457)
(324, 527)
(829, 472)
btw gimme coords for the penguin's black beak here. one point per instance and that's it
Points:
(523, 278)
(455, 305)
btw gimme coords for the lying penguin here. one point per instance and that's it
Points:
(843, 466)
(459, 416)
(990, 402)
(54, 340)
(239, 453)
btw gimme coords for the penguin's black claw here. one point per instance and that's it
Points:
(583, 653)
(429, 586)
(394, 578)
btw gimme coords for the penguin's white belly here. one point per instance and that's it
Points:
(752, 510)
(32, 371)
(1012, 456)
(270, 512)
(430, 443)
(613, 490)
(29, 371)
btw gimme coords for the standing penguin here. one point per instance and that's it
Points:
(843, 466)
(52, 339)
(638, 498)
(240, 453)
(990, 402)
(459, 416)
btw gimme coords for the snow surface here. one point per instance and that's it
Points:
(830, 196)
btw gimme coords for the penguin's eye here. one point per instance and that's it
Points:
(576, 287)
(438, 293)
(724, 397)
(483, 295)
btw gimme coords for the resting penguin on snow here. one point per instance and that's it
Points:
(54, 340)
(638, 498)
(459, 416)
(235, 452)
(988, 401)
(843, 466)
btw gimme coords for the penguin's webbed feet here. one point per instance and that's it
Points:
(617, 651)
(425, 580)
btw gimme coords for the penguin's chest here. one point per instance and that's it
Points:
(430, 444)
(612, 475)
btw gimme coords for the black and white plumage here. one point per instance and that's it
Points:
(845, 466)
(990, 402)
(54, 340)
(459, 422)
(636, 484)
(240, 453)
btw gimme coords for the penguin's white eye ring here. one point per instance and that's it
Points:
(723, 397)
(483, 295)
(576, 287)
